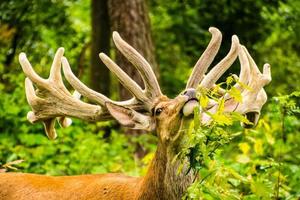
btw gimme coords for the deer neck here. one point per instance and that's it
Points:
(164, 179)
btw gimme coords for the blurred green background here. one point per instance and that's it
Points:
(270, 29)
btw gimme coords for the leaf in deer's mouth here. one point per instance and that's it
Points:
(189, 107)
(253, 118)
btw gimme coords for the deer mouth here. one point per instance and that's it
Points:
(253, 117)
(189, 106)
(191, 103)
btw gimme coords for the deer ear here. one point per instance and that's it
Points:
(130, 118)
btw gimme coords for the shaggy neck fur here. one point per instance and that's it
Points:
(163, 180)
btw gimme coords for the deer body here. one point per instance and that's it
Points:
(148, 110)
(19, 186)
(162, 182)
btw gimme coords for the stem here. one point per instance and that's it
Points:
(202, 180)
(283, 111)
(196, 176)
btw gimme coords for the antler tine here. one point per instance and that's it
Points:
(99, 98)
(243, 78)
(151, 84)
(245, 66)
(206, 58)
(255, 97)
(258, 80)
(124, 79)
(80, 87)
(245, 71)
(222, 66)
(28, 70)
(31, 98)
(55, 71)
(49, 126)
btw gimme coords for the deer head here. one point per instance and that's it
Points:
(148, 109)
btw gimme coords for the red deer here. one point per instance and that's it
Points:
(148, 110)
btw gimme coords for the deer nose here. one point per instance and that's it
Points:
(191, 93)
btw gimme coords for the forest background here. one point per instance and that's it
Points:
(171, 35)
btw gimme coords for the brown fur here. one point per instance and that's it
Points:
(19, 186)
(162, 181)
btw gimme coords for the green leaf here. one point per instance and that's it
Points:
(221, 119)
(203, 101)
(236, 94)
(261, 189)
(240, 118)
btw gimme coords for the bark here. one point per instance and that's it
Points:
(81, 59)
(100, 80)
(10, 56)
(130, 18)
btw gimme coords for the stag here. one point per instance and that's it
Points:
(148, 109)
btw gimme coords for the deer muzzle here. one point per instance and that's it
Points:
(191, 103)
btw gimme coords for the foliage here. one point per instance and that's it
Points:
(77, 151)
(266, 166)
(260, 163)
(39, 28)
(269, 29)
(280, 48)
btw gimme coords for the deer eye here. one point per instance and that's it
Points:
(158, 111)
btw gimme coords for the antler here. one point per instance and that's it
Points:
(197, 77)
(206, 59)
(250, 83)
(52, 99)
(254, 95)
(152, 89)
(250, 76)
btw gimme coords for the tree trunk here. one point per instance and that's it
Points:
(130, 18)
(100, 80)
